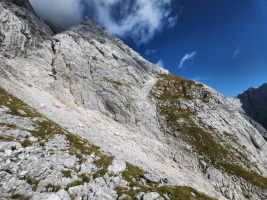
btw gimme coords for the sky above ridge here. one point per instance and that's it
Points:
(220, 43)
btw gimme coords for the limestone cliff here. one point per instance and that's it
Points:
(88, 89)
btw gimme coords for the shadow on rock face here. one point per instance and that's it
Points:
(254, 103)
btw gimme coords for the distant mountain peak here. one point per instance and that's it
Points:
(254, 103)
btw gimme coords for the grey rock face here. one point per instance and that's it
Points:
(254, 103)
(16, 38)
(93, 85)
(118, 166)
(48, 162)
(152, 196)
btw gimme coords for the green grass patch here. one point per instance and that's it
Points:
(15, 105)
(80, 147)
(176, 87)
(8, 126)
(182, 193)
(74, 184)
(26, 143)
(94, 58)
(132, 172)
(250, 176)
(46, 129)
(83, 178)
(115, 84)
(174, 193)
(6, 138)
(120, 190)
(18, 196)
(103, 163)
(66, 174)
(54, 73)
(32, 181)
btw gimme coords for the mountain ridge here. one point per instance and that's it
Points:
(93, 85)
(253, 102)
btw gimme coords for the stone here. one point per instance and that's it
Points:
(60, 195)
(139, 196)
(4, 109)
(124, 197)
(23, 173)
(63, 195)
(10, 145)
(21, 112)
(8, 152)
(33, 139)
(21, 156)
(118, 166)
(152, 178)
(152, 196)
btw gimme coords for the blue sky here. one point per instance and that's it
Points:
(225, 43)
(222, 43)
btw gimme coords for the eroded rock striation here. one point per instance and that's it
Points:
(107, 124)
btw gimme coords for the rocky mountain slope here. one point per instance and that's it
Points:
(254, 103)
(159, 136)
(41, 160)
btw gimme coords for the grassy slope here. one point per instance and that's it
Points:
(169, 91)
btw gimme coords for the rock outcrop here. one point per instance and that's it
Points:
(254, 103)
(181, 137)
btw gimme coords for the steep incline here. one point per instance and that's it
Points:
(41, 160)
(89, 82)
(254, 103)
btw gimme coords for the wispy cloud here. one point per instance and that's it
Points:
(160, 63)
(139, 19)
(237, 53)
(200, 78)
(172, 21)
(150, 51)
(187, 58)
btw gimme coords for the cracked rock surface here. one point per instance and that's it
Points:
(100, 122)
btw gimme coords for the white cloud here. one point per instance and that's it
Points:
(187, 58)
(150, 51)
(137, 19)
(237, 53)
(200, 78)
(172, 21)
(160, 63)
(141, 18)
(61, 14)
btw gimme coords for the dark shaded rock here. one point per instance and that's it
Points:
(254, 102)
